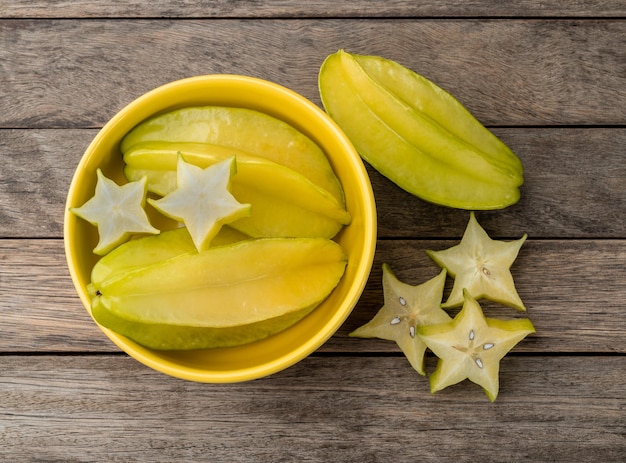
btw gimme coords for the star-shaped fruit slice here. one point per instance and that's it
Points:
(202, 200)
(406, 308)
(482, 266)
(117, 211)
(471, 347)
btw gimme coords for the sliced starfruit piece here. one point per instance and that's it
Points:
(283, 202)
(417, 135)
(202, 200)
(406, 308)
(244, 129)
(471, 347)
(482, 266)
(231, 285)
(117, 211)
(173, 337)
(149, 250)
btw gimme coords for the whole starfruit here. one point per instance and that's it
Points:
(417, 134)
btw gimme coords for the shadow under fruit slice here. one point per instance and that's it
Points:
(471, 347)
(226, 286)
(414, 145)
(283, 202)
(247, 130)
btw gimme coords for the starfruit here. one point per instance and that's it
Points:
(284, 203)
(150, 250)
(482, 266)
(417, 134)
(406, 308)
(227, 286)
(242, 129)
(471, 347)
(202, 200)
(162, 336)
(117, 211)
(146, 251)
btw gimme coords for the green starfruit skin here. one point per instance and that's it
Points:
(182, 338)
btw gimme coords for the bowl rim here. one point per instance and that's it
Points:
(361, 273)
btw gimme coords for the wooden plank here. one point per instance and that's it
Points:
(78, 73)
(326, 408)
(574, 187)
(574, 291)
(38, 169)
(315, 8)
(39, 308)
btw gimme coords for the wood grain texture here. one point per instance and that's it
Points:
(549, 78)
(79, 73)
(315, 8)
(574, 187)
(348, 409)
(573, 309)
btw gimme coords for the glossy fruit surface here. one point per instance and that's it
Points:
(185, 338)
(406, 308)
(144, 252)
(150, 250)
(482, 266)
(254, 132)
(283, 201)
(224, 286)
(471, 347)
(418, 135)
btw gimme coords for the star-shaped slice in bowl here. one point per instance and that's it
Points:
(202, 200)
(406, 308)
(471, 347)
(117, 211)
(482, 266)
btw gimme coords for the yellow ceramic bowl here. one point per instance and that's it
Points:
(282, 350)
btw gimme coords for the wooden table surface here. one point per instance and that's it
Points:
(548, 77)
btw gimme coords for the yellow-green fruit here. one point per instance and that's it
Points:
(227, 286)
(173, 337)
(243, 129)
(283, 202)
(471, 347)
(418, 135)
(149, 250)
